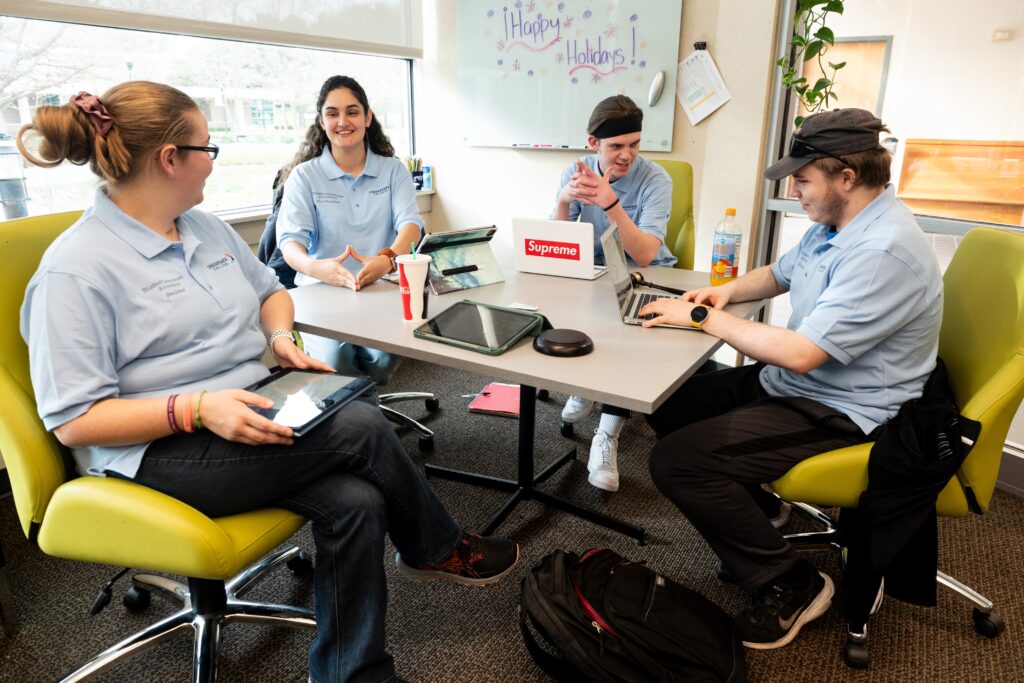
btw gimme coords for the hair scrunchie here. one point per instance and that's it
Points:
(98, 115)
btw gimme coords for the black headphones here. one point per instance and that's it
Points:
(639, 281)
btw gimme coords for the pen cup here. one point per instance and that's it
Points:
(412, 280)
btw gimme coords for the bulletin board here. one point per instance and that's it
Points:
(531, 71)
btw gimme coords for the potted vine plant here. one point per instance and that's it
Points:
(811, 40)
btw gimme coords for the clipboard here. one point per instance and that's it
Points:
(461, 259)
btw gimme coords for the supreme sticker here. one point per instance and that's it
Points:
(546, 249)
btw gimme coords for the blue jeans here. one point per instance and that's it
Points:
(353, 479)
(352, 359)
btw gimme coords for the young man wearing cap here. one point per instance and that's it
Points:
(866, 294)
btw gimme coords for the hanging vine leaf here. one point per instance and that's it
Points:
(811, 39)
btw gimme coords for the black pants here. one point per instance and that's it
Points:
(720, 437)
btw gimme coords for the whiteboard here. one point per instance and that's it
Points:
(531, 71)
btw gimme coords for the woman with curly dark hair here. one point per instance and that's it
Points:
(349, 209)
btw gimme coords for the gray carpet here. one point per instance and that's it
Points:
(439, 632)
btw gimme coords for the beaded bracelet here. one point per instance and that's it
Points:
(171, 420)
(196, 418)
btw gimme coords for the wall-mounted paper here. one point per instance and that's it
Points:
(701, 88)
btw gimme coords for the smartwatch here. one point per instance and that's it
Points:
(698, 315)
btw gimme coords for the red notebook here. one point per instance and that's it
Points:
(497, 398)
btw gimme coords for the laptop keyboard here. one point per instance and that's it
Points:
(641, 300)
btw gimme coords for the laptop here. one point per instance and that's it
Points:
(550, 247)
(628, 297)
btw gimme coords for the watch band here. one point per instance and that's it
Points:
(386, 251)
(697, 317)
(277, 334)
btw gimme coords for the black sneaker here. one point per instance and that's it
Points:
(782, 606)
(476, 561)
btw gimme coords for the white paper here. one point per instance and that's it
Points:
(701, 88)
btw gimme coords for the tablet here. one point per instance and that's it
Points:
(305, 398)
(480, 327)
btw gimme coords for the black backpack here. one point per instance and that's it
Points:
(601, 617)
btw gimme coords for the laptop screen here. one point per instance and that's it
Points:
(618, 271)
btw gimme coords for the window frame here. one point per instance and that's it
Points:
(41, 10)
(782, 108)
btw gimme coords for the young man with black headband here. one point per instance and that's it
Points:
(866, 294)
(615, 185)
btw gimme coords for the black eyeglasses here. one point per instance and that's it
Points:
(798, 147)
(212, 150)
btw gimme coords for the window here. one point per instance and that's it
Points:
(946, 82)
(259, 99)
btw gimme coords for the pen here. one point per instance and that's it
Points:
(482, 393)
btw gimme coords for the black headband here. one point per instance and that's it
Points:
(613, 127)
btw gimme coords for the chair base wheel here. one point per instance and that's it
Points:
(543, 395)
(855, 654)
(301, 564)
(989, 625)
(432, 404)
(136, 599)
(426, 445)
(566, 430)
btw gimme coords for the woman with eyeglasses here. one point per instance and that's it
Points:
(349, 208)
(145, 321)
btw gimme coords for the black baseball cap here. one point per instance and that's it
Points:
(828, 134)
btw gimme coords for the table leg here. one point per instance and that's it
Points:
(524, 487)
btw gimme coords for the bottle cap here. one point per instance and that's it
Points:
(730, 212)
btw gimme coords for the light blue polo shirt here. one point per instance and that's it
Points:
(325, 209)
(116, 311)
(870, 297)
(646, 196)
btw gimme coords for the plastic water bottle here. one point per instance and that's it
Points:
(428, 178)
(725, 250)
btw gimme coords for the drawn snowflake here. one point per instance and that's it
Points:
(596, 78)
(568, 22)
(530, 6)
(612, 31)
(501, 44)
(559, 58)
(516, 65)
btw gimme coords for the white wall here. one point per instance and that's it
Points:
(947, 78)
(481, 186)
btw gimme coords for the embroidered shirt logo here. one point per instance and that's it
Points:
(327, 198)
(223, 262)
(379, 191)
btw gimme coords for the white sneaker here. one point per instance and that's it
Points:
(603, 463)
(576, 409)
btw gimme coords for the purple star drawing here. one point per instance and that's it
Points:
(568, 22)
(516, 65)
(596, 78)
(559, 58)
(612, 31)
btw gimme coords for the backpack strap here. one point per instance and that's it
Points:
(553, 666)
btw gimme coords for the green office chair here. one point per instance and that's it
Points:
(117, 522)
(679, 236)
(983, 347)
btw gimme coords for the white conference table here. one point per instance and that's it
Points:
(630, 367)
